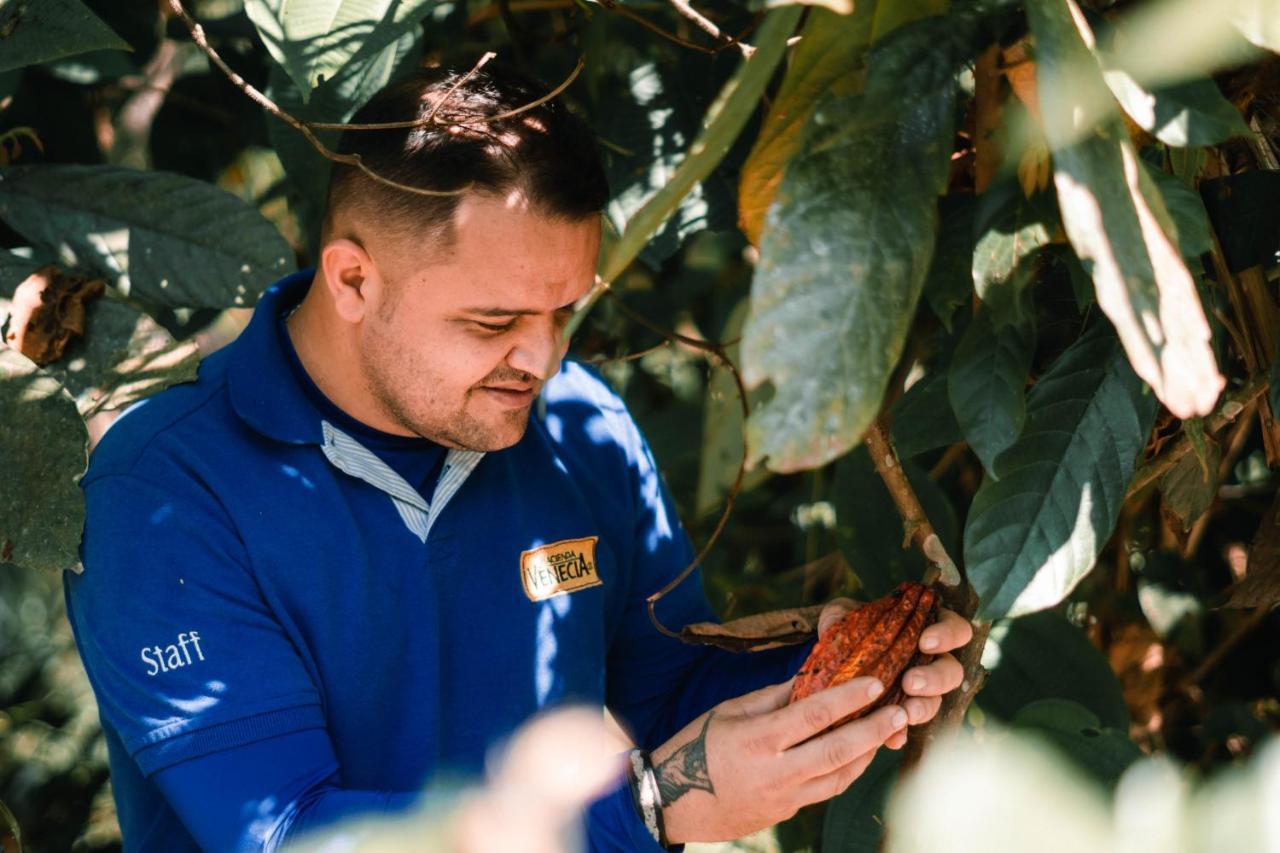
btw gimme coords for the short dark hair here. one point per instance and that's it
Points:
(546, 152)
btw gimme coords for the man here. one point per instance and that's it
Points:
(388, 525)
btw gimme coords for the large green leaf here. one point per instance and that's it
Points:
(34, 31)
(1117, 222)
(831, 46)
(178, 242)
(986, 385)
(1011, 230)
(335, 101)
(1034, 533)
(854, 822)
(1079, 736)
(318, 40)
(1189, 113)
(43, 453)
(846, 247)
(1043, 656)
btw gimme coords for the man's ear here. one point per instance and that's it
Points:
(347, 267)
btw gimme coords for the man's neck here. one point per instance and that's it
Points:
(328, 353)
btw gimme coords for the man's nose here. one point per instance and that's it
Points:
(538, 351)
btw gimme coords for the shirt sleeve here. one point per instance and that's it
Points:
(183, 654)
(655, 684)
(259, 796)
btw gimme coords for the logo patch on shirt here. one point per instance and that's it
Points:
(561, 567)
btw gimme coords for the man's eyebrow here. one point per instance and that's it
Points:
(510, 312)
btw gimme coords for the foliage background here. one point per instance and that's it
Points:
(1138, 657)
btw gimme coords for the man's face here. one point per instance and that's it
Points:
(462, 342)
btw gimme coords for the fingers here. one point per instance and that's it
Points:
(801, 720)
(833, 783)
(943, 675)
(951, 631)
(835, 610)
(761, 701)
(830, 752)
(897, 741)
(922, 710)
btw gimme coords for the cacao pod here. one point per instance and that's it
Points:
(879, 639)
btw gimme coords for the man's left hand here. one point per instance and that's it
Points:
(924, 684)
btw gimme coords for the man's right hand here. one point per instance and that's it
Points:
(753, 761)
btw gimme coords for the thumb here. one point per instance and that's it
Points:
(835, 610)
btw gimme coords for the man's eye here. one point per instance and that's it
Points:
(495, 327)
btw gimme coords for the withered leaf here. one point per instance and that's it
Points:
(48, 311)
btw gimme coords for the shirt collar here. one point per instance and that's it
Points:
(264, 392)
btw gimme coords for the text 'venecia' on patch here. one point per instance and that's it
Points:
(558, 568)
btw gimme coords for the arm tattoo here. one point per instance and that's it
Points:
(686, 768)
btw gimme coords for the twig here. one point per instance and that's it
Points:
(703, 23)
(457, 118)
(914, 521)
(1229, 642)
(957, 595)
(615, 6)
(949, 458)
(718, 351)
(197, 36)
(1226, 412)
(632, 356)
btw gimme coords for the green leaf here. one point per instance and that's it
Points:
(1078, 735)
(653, 121)
(845, 250)
(949, 283)
(317, 40)
(1117, 222)
(335, 101)
(1034, 533)
(43, 454)
(1189, 113)
(854, 822)
(1042, 656)
(1012, 230)
(723, 122)
(1186, 209)
(722, 423)
(923, 419)
(831, 46)
(34, 31)
(179, 242)
(986, 385)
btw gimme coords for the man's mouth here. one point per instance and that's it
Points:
(511, 397)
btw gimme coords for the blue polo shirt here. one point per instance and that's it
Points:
(257, 563)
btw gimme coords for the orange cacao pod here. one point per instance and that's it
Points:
(880, 639)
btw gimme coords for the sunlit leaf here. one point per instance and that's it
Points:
(1034, 533)
(1116, 221)
(1011, 230)
(41, 30)
(846, 247)
(179, 242)
(315, 40)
